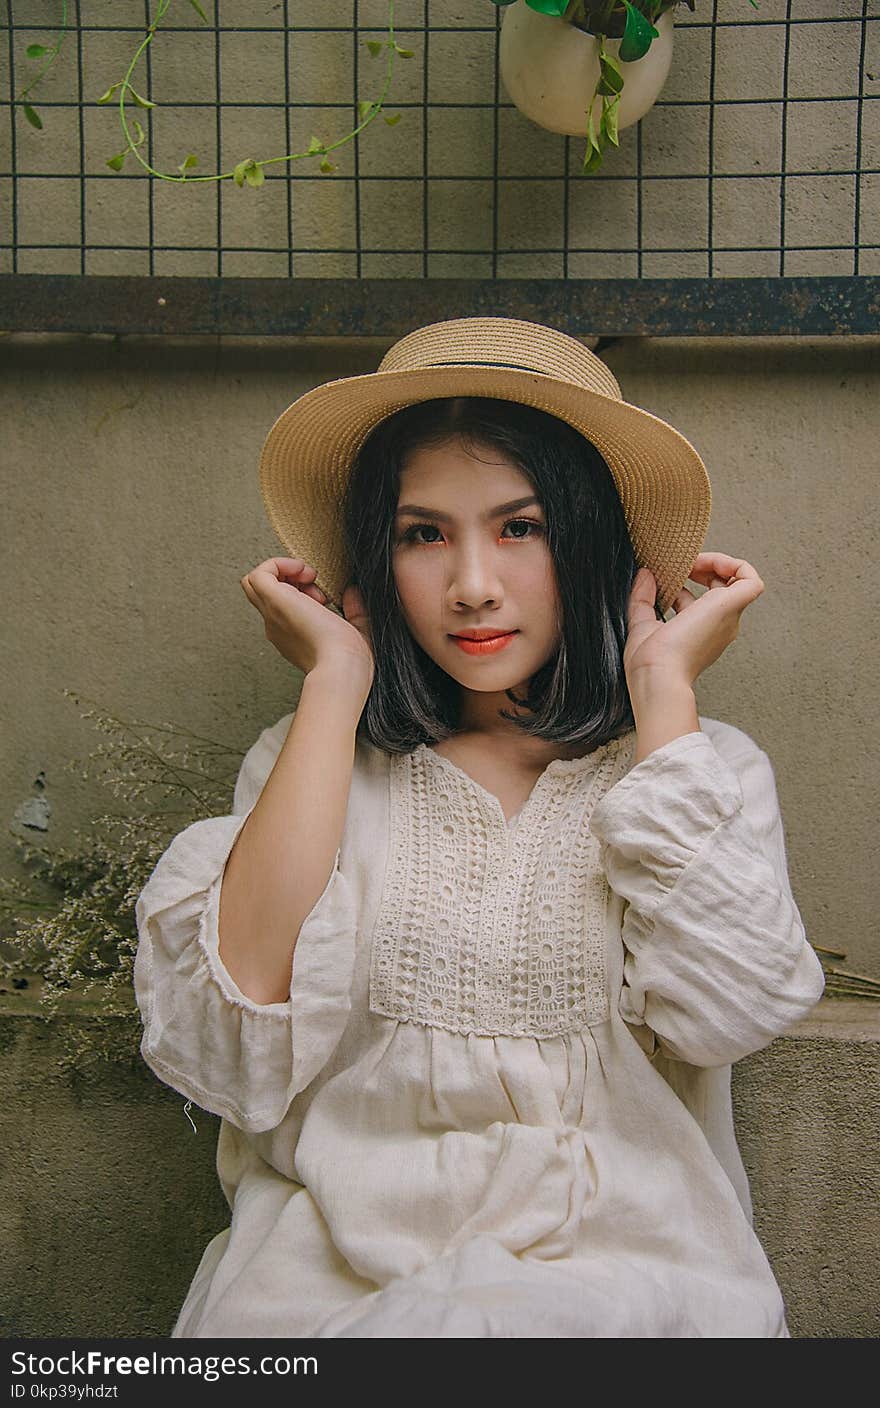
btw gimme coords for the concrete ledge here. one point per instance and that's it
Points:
(805, 1111)
(110, 1198)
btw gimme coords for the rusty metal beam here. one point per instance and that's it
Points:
(387, 308)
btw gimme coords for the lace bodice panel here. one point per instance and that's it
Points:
(491, 928)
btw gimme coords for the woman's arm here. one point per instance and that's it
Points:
(203, 1035)
(717, 962)
(285, 853)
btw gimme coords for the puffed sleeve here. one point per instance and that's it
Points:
(716, 960)
(235, 1057)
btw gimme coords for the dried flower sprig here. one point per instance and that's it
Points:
(845, 983)
(74, 915)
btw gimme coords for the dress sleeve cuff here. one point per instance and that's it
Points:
(208, 939)
(238, 1058)
(317, 1008)
(657, 818)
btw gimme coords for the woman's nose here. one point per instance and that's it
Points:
(473, 578)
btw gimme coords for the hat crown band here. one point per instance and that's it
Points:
(502, 342)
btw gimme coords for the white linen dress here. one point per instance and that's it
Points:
(497, 1101)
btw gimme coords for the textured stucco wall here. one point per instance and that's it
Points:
(130, 485)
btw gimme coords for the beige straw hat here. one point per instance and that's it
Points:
(308, 453)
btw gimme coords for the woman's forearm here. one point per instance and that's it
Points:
(664, 708)
(283, 857)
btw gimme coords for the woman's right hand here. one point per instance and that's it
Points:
(299, 623)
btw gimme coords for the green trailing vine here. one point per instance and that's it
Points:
(250, 171)
(35, 52)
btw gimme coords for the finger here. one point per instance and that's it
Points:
(710, 557)
(742, 575)
(736, 594)
(283, 574)
(721, 565)
(284, 569)
(710, 580)
(684, 599)
(315, 593)
(642, 599)
(354, 609)
(353, 602)
(296, 567)
(248, 591)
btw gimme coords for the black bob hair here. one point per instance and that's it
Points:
(580, 694)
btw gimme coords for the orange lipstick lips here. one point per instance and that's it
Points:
(489, 646)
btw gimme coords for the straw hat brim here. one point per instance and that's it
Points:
(307, 457)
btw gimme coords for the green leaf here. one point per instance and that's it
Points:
(374, 46)
(315, 145)
(116, 161)
(592, 161)
(106, 97)
(141, 102)
(249, 171)
(33, 117)
(393, 120)
(637, 35)
(592, 138)
(610, 119)
(36, 51)
(139, 132)
(188, 161)
(364, 108)
(548, 7)
(199, 11)
(593, 157)
(610, 76)
(327, 165)
(404, 53)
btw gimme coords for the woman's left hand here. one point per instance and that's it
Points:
(703, 627)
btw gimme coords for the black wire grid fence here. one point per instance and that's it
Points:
(748, 198)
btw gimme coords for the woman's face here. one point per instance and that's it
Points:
(475, 562)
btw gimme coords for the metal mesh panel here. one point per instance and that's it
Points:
(759, 160)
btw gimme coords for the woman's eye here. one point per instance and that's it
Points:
(525, 522)
(411, 534)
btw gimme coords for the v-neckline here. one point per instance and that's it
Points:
(555, 766)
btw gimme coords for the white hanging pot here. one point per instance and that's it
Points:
(550, 68)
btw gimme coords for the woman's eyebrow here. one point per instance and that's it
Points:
(447, 518)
